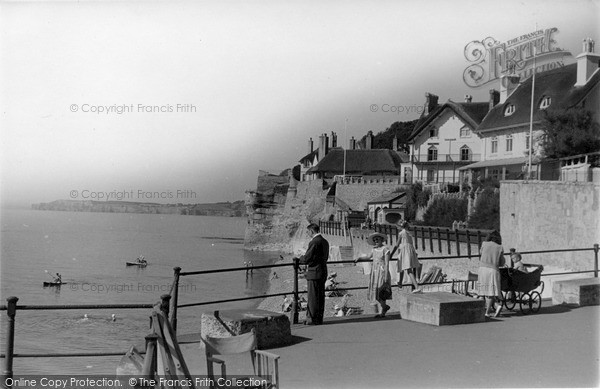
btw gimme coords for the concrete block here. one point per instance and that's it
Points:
(272, 328)
(441, 308)
(581, 291)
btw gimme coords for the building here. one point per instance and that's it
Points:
(389, 208)
(356, 164)
(505, 130)
(444, 138)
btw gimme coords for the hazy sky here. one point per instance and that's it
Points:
(260, 78)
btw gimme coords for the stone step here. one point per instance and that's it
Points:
(441, 308)
(582, 291)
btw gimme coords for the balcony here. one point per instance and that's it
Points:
(446, 158)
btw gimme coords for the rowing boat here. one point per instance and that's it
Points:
(46, 283)
(139, 264)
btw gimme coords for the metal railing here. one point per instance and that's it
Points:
(169, 302)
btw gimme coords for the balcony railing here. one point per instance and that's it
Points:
(421, 158)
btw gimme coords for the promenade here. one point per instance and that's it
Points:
(557, 347)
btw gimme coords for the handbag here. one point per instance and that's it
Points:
(385, 292)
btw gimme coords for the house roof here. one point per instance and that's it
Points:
(558, 84)
(495, 162)
(363, 162)
(388, 198)
(310, 156)
(471, 113)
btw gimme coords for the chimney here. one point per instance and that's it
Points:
(323, 146)
(310, 145)
(395, 143)
(431, 103)
(587, 62)
(468, 98)
(494, 98)
(352, 145)
(508, 83)
(369, 140)
(333, 139)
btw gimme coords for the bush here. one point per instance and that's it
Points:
(443, 212)
(416, 197)
(486, 214)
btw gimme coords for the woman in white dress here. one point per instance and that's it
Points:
(380, 271)
(407, 255)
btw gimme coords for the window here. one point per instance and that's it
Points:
(465, 132)
(407, 175)
(495, 173)
(545, 103)
(527, 142)
(433, 132)
(432, 154)
(430, 175)
(465, 154)
(494, 145)
(509, 110)
(509, 142)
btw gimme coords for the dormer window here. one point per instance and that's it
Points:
(545, 103)
(465, 132)
(433, 132)
(509, 110)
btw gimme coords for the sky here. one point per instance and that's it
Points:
(181, 101)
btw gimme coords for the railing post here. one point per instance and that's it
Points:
(11, 311)
(150, 357)
(175, 300)
(295, 301)
(164, 304)
(448, 241)
(430, 231)
(457, 243)
(423, 238)
(439, 238)
(596, 248)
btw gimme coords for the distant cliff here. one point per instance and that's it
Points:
(231, 209)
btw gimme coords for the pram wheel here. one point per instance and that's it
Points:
(535, 302)
(508, 298)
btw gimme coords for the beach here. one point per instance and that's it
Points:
(348, 276)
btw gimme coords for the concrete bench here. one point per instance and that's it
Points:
(272, 328)
(581, 291)
(441, 308)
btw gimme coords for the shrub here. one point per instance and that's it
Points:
(443, 212)
(486, 214)
(416, 197)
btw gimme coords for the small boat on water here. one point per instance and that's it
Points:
(53, 283)
(138, 264)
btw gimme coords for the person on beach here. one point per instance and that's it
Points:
(492, 258)
(380, 271)
(407, 256)
(316, 274)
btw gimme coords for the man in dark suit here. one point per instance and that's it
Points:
(316, 274)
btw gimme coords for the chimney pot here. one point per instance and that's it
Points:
(431, 102)
(468, 98)
(494, 98)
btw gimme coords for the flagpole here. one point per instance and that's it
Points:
(346, 145)
(531, 114)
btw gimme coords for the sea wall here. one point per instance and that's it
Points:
(547, 215)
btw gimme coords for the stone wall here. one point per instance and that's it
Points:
(546, 215)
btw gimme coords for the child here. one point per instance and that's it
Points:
(380, 271)
(517, 264)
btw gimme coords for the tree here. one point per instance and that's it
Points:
(569, 132)
(384, 139)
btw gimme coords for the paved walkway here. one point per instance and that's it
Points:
(557, 347)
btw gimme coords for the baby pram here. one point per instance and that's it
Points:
(522, 288)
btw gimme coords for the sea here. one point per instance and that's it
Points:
(89, 250)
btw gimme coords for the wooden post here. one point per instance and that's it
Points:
(448, 241)
(430, 238)
(439, 239)
(423, 238)
(164, 304)
(596, 248)
(295, 307)
(468, 244)
(175, 292)
(150, 359)
(457, 243)
(11, 311)
(479, 240)
(416, 237)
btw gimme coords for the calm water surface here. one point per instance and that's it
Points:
(89, 250)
